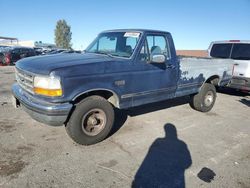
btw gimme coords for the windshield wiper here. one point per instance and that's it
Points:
(103, 53)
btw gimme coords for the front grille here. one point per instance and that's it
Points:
(25, 80)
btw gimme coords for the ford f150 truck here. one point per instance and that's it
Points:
(120, 69)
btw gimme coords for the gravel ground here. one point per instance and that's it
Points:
(164, 144)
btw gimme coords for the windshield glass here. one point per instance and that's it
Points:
(241, 52)
(120, 44)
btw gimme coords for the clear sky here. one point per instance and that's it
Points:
(193, 23)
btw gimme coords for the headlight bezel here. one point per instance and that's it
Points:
(48, 86)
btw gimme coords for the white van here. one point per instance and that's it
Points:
(239, 51)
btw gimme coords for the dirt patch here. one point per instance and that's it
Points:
(5, 91)
(8, 72)
(50, 139)
(3, 103)
(242, 185)
(7, 127)
(24, 149)
(12, 162)
(8, 168)
(211, 114)
(109, 164)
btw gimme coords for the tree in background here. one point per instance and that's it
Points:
(63, 35)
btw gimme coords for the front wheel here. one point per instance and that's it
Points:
(205, 99)
(91, 121)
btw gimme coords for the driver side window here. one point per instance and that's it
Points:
(154, 45)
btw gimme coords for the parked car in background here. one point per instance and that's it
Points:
(10, 55)
(72, 51)
(56, 51)
(1, 47)
(1, 58)
(38, 50)
(239, 51)
(1, 54)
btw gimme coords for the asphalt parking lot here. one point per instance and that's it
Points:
(165, 144)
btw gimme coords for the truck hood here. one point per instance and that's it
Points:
(46, 64)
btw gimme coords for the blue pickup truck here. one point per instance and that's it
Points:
(120, 69)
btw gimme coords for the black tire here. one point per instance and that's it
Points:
(91, 121)
(205, 99)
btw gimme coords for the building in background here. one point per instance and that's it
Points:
(36, 44)
(9, 41)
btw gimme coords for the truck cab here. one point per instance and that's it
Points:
(148, 62)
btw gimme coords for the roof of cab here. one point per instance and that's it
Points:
(227, 42)
(136, 30)
(230, 41)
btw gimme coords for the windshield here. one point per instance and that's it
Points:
(119, 44)
(241, 52)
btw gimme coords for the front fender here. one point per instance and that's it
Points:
(113, 97)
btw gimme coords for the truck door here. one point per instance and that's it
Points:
(157, 80)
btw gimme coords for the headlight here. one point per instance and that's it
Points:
(48, 86)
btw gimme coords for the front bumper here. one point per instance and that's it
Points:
(48, 113)
(241, 83)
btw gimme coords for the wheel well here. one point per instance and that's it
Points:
(110, 96)
(213, 80)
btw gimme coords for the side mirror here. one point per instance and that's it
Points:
(158, 59)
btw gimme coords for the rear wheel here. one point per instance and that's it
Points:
(91, 121)
(205, 99)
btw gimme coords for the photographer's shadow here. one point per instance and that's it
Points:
(165, 163)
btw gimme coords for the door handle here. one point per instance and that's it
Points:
(170, 66)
